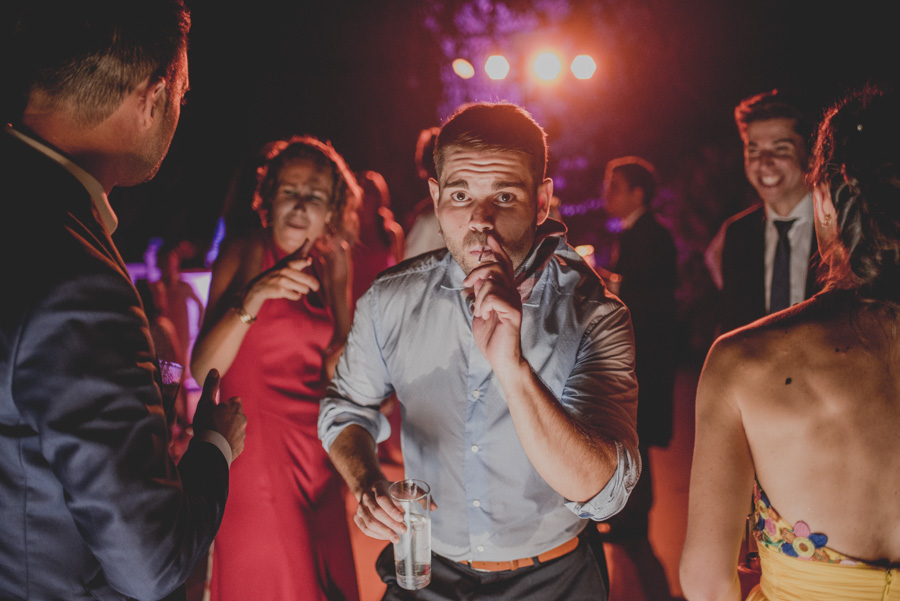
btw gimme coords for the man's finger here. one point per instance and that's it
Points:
(376, 523)
(207, 402)
(499, 254)
(211, 385)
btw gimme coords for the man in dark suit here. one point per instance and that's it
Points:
(769, 258)
(91, 505)
(645, 259)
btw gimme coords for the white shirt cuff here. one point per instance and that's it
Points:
(220, 441)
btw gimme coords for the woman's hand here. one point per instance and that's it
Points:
(334, 253)
(283, 280)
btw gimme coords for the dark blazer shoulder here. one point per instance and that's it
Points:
(749, 221)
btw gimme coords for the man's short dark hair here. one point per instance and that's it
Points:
(774, 105)
(87, 55)
(637, 172)
(502, 127)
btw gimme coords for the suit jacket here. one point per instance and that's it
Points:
(91, 505)
(744, 269)
(648, 265)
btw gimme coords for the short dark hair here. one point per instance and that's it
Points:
(638, 173)
(774, 105)
(345, 191)
(87, 55)
(500, 126)
(857, 156)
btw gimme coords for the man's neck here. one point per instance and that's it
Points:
(629, 221)
(77, 143)
(784, 206)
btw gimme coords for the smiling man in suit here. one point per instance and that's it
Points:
(769, 250)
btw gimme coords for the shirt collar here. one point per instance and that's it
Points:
(90, 183)
(801, 213)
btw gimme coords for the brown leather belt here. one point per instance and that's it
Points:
(500, 566)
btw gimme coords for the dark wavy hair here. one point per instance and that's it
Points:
(345, 191)
(857, 155)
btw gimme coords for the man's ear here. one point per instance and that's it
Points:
(434, 188)
(152, 101)
(544, 195)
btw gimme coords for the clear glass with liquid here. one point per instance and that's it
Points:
(412, 553)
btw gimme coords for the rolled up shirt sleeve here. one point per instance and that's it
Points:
(361, 381)
(601, 393)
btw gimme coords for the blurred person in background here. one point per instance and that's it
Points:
(423, 230)
(279, 312)
(768, 257)
(647, 265)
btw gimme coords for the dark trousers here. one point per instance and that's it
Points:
(577, 576)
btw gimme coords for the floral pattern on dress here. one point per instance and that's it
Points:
(795, 541)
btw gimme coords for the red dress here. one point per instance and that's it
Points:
(284, 535)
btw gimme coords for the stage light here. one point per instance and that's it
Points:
(496, 67)
(585, 250)
(583, 67)
(463, 68)
(547, 66)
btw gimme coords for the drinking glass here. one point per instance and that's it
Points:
(412, 553)
(171, 374)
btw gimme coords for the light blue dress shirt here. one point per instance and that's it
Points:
(412, 334)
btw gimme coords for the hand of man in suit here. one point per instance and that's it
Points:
(227, 418)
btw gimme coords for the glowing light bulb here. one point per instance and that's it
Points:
(547, 66)
(496, 67)
(463, 68)
(583, 66)
(584, 250)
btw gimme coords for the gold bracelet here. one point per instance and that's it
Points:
(243, 315)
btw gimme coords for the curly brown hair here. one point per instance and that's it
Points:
(345, 191)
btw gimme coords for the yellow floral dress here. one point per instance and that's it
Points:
(797, 564)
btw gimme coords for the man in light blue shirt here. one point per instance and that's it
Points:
(515, 372)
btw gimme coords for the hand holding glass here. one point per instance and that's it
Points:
(412, 553)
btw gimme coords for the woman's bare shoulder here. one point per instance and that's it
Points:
(747, 355)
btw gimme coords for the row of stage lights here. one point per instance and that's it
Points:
(547, 66)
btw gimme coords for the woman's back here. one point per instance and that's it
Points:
(807, 401)
(819, 398)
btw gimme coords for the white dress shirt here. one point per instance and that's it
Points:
(412, 334)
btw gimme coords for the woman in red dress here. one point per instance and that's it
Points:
(277, 319)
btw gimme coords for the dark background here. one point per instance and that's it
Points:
(369, 75)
